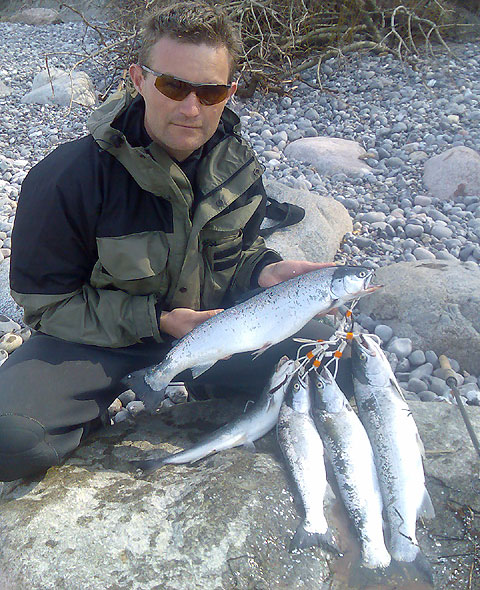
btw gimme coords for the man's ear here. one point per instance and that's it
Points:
(233, 89)
(138, 79)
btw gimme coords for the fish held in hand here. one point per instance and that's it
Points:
(397, 448)
(303, 451)
(348, 449)
(253, 325)
(255, 422)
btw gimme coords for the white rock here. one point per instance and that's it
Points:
(37, 16)
(68, 87)
(318, 236)
(330, 155)
(453, 174)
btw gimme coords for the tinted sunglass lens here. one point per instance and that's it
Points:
(179, 90)
(209, 95)
(171, 88)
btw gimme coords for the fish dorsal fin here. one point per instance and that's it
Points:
(396, 387)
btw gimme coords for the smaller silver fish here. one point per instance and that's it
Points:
(303, 451)
(244, 430)
(348, 449)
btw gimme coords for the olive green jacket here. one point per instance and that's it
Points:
(109, 232)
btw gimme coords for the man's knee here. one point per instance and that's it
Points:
(24, 450)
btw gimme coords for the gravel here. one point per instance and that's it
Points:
(402, 114)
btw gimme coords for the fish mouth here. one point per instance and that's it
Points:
(368, 290)
(365, 344)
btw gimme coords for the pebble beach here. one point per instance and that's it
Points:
(402, 113)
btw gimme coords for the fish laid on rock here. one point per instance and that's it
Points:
(348, 449)
(397, 449)
(256, 421)
(253, 325)
(303, 451)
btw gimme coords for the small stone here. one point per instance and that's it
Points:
(427, 396)
(402, 347)
(384, 332)
(403, 365)
(121, 416)
(422, 371)
(423, 254)
(126, 397)
(431, 357)
(417, 358)
(178, 394)
(10, 342)
(114, 407)
(438, 386)
(135, 407)
(416, 385)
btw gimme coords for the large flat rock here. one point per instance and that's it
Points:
(221, 524)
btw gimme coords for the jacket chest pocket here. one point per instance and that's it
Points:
(221, 252)
(136, 263)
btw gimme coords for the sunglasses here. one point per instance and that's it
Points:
(178, 89)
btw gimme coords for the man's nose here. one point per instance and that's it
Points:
(190, 106)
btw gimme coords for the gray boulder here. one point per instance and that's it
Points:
(37, 16)
(68, 87)
(224, 523)
(435, 304)
(330, 155)
(453, 174)
(318, 236)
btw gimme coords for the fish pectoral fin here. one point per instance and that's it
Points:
(260, 351)
(249, 446)
(426, 509)
(200, 369)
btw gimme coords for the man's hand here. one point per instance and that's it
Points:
(281, 271)
(182, 320)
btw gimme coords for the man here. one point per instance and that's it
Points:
(130, 237)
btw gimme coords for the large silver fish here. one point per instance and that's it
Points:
(348, 449)
(253, 325)
(244, 430)
(397, 449)
(303, 451)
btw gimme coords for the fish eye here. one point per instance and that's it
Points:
(362, 356)
(362, 274)
(296, 386)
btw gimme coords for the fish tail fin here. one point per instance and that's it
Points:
(151, 398)
(303, 539)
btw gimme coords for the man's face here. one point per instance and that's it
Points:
(181, 127)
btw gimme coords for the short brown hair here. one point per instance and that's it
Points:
(190, 21)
